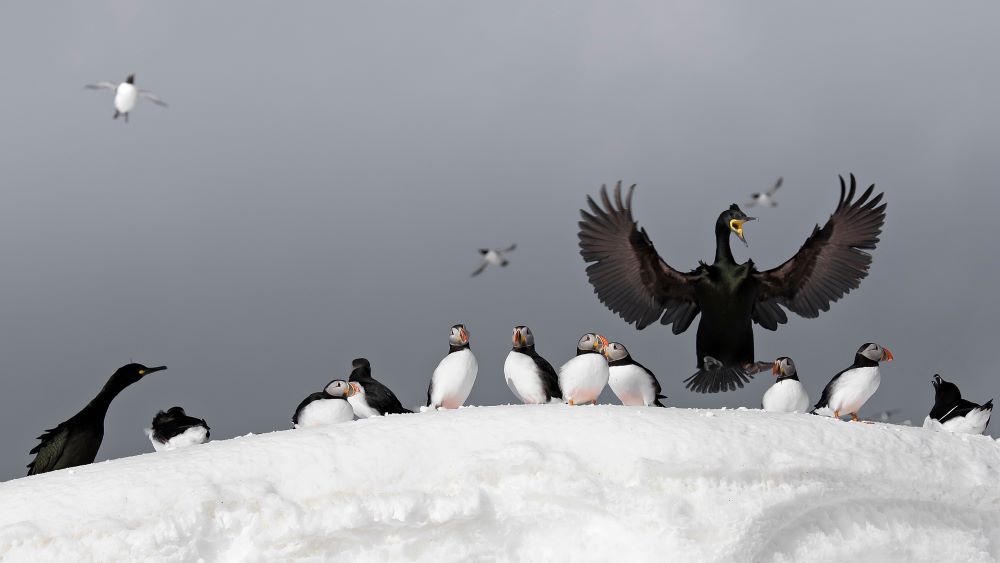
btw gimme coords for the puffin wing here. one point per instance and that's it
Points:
(830, 264)
(628, 276)
(380, 394)
(48, 452)
(824, 399)
(963, 408)
(305, 402)
(549, 377)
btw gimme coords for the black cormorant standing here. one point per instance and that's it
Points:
(632, 280)
(76, 441)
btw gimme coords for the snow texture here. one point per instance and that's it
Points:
(538, 483)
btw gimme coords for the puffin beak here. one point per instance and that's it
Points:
(601, 345)
(776, 368)
(351, 389)
(517, 337)
(886, 355)
(464, 334)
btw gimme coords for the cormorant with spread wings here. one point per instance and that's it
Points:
(631, 279)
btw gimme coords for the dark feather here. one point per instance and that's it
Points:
(830, 264)
(627, 274)
(547, 374)
(173, 422)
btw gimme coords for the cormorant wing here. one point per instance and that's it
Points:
(628, 276)
(831, 263)
(48, 452)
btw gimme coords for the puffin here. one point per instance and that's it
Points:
(631, 279)
(126, 95)
(584, 376)
(530, 377)
(952, 413)
(174, 429)
(368, 396)
(765, 199)
(328, 406)
(493, 257)
(77, 440)
(850, 389)
(455, 374)
(632, 382)
(787, 394)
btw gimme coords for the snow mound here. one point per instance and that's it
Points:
(540, 483)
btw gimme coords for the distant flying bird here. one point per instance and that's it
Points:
(765, 199)
(631, 279)
(493, 256)
(952, 413)
(173, 428)
(126, 95)
(76, 441)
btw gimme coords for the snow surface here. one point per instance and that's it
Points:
(519, 483)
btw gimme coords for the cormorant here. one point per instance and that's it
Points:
(76, 441)
(631, 279)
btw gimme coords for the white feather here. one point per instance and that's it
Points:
(632, 385)
(973, 422)
(852, 390)
(524, 378)
(325, 411)
(453, 379)
(583, 378)
(787, 395)
(190, 437)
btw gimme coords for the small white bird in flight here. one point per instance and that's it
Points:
(493, 256)
(766, 199)
(126, 95)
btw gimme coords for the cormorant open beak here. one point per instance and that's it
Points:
(886, 355)
(739, 229)
(776, 368)
(148, 371)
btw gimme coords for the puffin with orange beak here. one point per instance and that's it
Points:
(787, 394)
(530, 377)
(583, 377)
(455, 375)
(850, 389)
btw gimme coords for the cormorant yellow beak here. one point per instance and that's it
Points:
(148, 371)
(736, 225)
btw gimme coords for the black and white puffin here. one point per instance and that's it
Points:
(632, 382)
(368, 396)
(952, 413)
(328, 406)
(584, 376)
(174, 429)
(76, 441)
(787, 394)
(530, 377)
(631, 279)
(850, 389)
(455, 374)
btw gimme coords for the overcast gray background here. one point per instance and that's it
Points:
(325, 173)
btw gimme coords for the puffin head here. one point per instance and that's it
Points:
(522, 337)
(783, 367)
(459, 336)
(875, 353)
(591, 343)
(733, 219)
(338, 388)
(615, 351)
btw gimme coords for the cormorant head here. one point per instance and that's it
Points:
(591, 342)
(875, 353)
(130, 373)
(130, 79)
(459, 336)
(945, 392)
(338, 388)
(733, 219)
(615, 351)
(522, 337)
(783, 367)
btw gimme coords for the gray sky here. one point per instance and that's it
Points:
(325, 173)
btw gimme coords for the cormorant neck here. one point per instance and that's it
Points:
(723, 253)
(102, 401)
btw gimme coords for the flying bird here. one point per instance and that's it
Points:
(765, 199)
(126, 95)
(631, 279)
(494, 256)
(76, 441)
